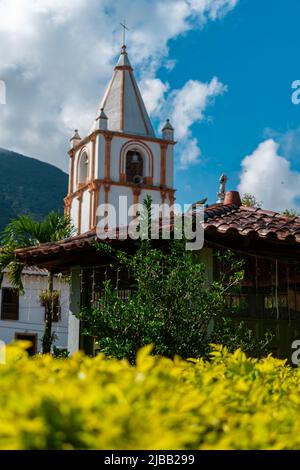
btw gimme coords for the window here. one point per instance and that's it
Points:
(83, 169)
(134, 166)
(56, 308)
(32, 337)
(10, 304)
(236, 301)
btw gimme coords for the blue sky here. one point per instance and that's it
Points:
(220, 69)
(254, 50)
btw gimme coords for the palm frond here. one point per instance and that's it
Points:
(7, 255)
(24, 232)
(57, 227)
(15, 274)
(8, 260)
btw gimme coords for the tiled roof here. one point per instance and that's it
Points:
(222, 219)
(247, 221)
(73, 243)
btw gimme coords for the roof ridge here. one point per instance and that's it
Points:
(219, 210)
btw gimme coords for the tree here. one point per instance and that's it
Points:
(290, 213)
(24, 232)
(171, 306)
(250, 200)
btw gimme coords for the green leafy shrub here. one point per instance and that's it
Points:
(171, 306)
(230, 402)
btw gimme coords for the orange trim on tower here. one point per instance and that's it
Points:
(163, 194)
(67, 205)
(163, 163)
(96, 201)
(122, 135)
(124, 67)
(91, 191)
(106, 191)
(108, 139)
(122, 101)
(93, 139)
(172, 196)
(118, 183)
(136, 195)
(71, 181)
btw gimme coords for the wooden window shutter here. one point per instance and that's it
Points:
(10, 304)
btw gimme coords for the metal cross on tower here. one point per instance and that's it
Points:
(124, 31)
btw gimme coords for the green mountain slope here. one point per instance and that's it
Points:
(28, 186)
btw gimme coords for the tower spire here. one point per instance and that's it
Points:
(122, 102)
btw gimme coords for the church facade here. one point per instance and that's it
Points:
(121, 156)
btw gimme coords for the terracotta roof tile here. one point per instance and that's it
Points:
(243, 221)
(247, 220)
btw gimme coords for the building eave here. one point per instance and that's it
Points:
(229, 226)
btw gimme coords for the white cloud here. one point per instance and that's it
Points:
(153, 91)
(184, 107)
(289, 141)
(270, 178)
(212, 9)
(188, 106)
(190, 102)
(57, 56)
(189, 152)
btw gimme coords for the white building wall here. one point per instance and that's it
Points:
(70, 186)
(170, 166)
(101, 196)
(76, 168)
(116, 145)
(85, 211)
(89, 147)
(155, 147)
(73, 322)
(74, 211)
(113, 198)
(32, 314)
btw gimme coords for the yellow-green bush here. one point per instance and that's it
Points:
(232, 402)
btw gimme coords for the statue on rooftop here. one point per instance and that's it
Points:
(222, 189)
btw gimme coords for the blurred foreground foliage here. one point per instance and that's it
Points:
(228, 402)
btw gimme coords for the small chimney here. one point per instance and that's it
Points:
(232, 197)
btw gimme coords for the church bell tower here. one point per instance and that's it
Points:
(121, 156)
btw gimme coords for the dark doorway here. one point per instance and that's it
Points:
(32, 337)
